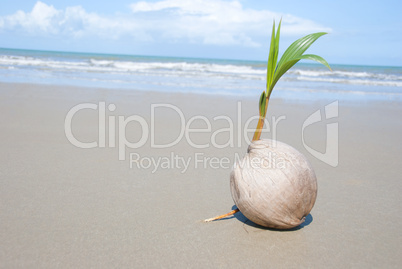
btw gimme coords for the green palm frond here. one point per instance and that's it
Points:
(273, 53)
(290, 57)
(275, 69)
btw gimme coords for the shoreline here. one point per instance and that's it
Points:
(130, 92)
(202, 76)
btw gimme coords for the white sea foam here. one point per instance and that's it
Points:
(354, 81)
(128, 66)
(215, 76)
(200, 69)
(345, 74)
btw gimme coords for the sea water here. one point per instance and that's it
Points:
(305, 81)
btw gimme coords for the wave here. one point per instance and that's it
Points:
(354, 81)
(346, 74)
(232, 76)
(129, 66)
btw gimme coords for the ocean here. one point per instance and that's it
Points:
(305, 81)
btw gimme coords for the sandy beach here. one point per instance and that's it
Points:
(62, 206)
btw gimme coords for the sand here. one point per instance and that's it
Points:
(66, 207)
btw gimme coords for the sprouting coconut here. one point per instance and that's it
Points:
(282, 194)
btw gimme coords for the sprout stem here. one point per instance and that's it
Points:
(260, 124)
(223, 216)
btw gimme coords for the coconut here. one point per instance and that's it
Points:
(274, 185)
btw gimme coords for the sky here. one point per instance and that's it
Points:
(359, 32)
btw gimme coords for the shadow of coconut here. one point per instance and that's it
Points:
(240, 217)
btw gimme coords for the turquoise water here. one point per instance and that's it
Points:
(305, 81)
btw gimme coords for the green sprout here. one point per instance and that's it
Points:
(275, 69)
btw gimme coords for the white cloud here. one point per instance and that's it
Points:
(45, 20)
(217, 22)
(39, 19)
(221, 22)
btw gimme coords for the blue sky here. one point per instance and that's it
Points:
(360, 32)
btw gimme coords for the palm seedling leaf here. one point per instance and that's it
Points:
(292, 55)
(273, 53)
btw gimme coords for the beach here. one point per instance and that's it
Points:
(110, 205)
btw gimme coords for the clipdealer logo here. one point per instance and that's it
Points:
(331, 154)
(112, 129)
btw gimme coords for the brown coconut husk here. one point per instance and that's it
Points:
(274, 185)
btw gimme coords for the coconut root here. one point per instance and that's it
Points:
(223, 216)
